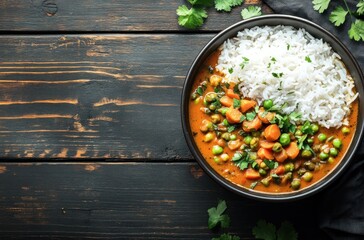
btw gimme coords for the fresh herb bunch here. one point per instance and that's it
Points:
(194, 16)
(339, 15)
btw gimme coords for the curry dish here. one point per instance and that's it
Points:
(259, 147)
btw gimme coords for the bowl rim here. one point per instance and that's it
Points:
(258, 195)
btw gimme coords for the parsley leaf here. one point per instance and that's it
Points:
(216, 216)
(226, 236)
(320, 5)
(337, 16)
(360, 7)
(356, 31)
(226, 5)
(236, 103)
(251, 11)
(207, 3)
(264, 230)
(286, 232)
(191, 18)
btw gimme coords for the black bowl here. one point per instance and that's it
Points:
(273, 20)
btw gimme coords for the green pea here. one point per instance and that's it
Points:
(216, 149)
(345, 130)
(267, 104)
(226, 136)
(285, 139)
(288, 167)
(323, 156)
(277, 147)
(215, 118)
(194, 96)
(298, 133)
(307, 176)
(322, 137)
(223, 110)
(314, 128)
(310, 141)
(295, 184)
(266, 181)
(233, 137)
(217, 160)
(254, 143)
(209, 137)
(309, 165)
(247, 139)
(337, 143)
(333, 152)
(306, 153)
(331, 160)
(210, 97)
(224, 157)
(212, 107)
(225, 122)
(262, 172)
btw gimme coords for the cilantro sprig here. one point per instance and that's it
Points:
(339, 15)
(267, 231)
(217, 216)
(194, 16)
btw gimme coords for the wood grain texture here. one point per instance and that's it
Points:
(91, 15)
(128, 201)
(94, 96)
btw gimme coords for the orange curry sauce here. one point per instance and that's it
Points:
(230, 171)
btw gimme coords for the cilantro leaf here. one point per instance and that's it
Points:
(236, 103)
(277, 75)
(360, 7)
(295, 116)
(250, 116)
(191, 18)
(356, 30)
(226, 236)
(337, 16)
(226, 5)
(320, 5)
(216, 216)
(286, 232)
(251, 11)
(207, 3)
(264, 230)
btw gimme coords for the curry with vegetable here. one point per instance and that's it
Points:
(258, 146)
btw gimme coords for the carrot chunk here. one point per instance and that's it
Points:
(265, 144)
(265, 154)
(251, 174)
(226, 101)
(292, 150)
(272, 132)
(264, 116)
(279, 170)
(233, 115)
(280, 156)
(254, 125)
(246, 105)
(232, 94)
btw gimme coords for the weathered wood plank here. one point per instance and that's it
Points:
(130, 201)
(100, 96)
(106, 15)
(96, 96)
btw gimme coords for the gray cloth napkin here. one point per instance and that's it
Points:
(340, 207)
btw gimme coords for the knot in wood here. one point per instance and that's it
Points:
(49, 7)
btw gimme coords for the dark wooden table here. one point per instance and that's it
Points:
(91, 142)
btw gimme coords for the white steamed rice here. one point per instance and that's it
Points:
(314, 81)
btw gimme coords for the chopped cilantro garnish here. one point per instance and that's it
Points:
(231, 128)
(253, 185)
(277, 75)
(250, 116)
(308, 59)
(231, 70)
(236, 103)
(217, 216)
(288, 46)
